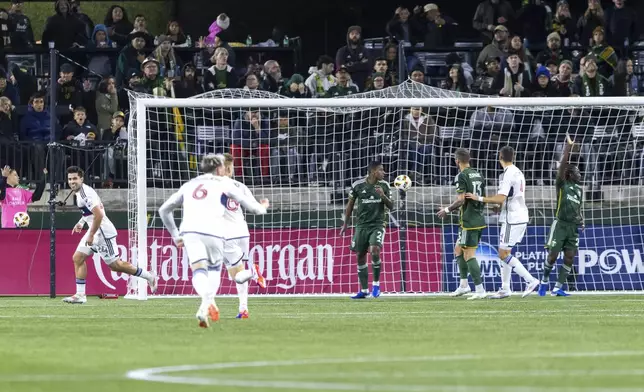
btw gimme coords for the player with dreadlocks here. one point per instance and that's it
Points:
(564, 232)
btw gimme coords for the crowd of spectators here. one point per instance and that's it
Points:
(539, 50)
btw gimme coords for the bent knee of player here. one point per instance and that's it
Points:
(118, 266)
(234, 270)
(374, 250)
(79, 258)
(469, 253)
(504, 253)
(200, 264)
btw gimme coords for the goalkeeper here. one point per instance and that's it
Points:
(373, 197)
(568, 220)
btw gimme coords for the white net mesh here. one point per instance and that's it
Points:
(305, 159)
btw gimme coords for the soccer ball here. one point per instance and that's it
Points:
(21, 219)
(402, 182)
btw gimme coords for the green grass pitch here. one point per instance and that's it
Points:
(583, 343)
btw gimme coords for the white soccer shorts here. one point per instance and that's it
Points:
(510, 235)
(202, 247)
(106, 248)
(236, 250)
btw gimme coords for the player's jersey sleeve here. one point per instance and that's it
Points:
(461, 184)
(353, 193)
(249, 203)
(166, 212)
(505, 186)
(386, 188)
(88, 199)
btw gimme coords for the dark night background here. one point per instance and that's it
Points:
(322, 25)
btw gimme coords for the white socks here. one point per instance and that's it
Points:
(464, 284)
(143, 274)
(200, 281)
(242, 292)
(515, 264)
(80, 286)
(479, 288)
(506, 276)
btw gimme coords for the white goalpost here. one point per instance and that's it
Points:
(303, 154)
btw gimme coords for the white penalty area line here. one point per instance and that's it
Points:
(161, 374)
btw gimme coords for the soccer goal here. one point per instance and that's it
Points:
(304, 154)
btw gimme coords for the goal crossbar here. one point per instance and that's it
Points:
(387, 102)
(143, 104)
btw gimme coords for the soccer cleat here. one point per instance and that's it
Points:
(154, 283)
(202, 317)
(460, 291)
(375, 292)
(213, 313)
(501, 294)
(559, 293)
(530, 288)
(360, 295)
(475, 296)
(75, 299)
(261, 281)
(543, 289)
(243, 315)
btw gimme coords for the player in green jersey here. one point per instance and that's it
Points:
(372, 195)
(564, 233)
(472, 223)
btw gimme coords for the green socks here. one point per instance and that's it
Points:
(363, 277)
(564, 270)
(547, 269)
(474, 270)
(462, 266)
(375, 268)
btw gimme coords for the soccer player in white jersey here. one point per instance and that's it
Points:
(514, 222)
(100, 238)
(203, 229)
(237, 245)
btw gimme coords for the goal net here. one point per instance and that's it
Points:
(304, 155)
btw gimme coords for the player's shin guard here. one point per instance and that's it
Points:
(242, 292)
(475, 271)
(363, 277)
(564, 270)
(462, 270)
(375, 269)
(214, 280)
(506, 275)
(547, 269)
(201, 284)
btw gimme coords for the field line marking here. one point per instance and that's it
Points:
(159, 374)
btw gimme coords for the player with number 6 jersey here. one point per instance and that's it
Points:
(203, 228)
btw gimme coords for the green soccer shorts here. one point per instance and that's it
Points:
(563, 235)
(366, 236)
(469, 238)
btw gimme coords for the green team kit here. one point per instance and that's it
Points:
(568, 218)
(371, 212)
(472, 219)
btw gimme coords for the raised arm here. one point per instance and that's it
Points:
(563, 165)
(166, 212)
